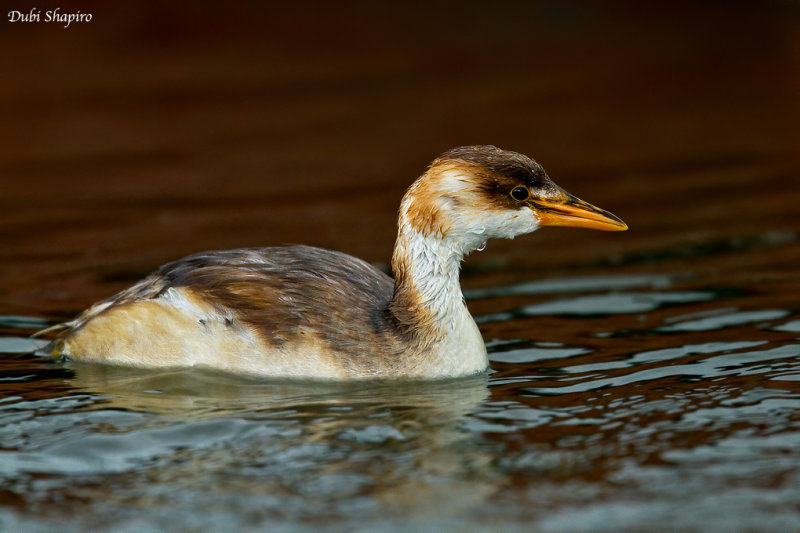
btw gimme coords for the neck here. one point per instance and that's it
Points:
(427, 306)
(427, 294)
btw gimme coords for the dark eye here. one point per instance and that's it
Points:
(520, 193)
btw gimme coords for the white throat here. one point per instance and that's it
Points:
(451, 342)
(432, 268)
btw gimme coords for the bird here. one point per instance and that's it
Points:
(301, 312)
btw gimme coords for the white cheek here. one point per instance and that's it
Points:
(474, 231)
(510, 224)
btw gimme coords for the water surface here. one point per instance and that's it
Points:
(671, 409)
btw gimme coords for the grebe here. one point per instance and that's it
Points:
(305, 312)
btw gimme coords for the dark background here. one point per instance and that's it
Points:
(163, 128)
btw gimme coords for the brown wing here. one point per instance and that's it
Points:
(281, 293)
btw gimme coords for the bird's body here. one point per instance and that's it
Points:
(283, 311)
(306, 312)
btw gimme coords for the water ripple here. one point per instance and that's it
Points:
(706, 368)
(574, 284)
(688, 404)
(20, 344)
(727, 320)
(603, 304)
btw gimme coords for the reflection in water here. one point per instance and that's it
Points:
(343, 447)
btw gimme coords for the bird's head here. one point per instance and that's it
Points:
(474, 193)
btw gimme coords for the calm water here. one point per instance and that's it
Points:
(641, 381)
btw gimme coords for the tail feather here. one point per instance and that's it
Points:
(54, 328)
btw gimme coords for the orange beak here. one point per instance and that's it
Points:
(571, 211)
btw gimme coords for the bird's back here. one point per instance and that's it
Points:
(295, 310)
